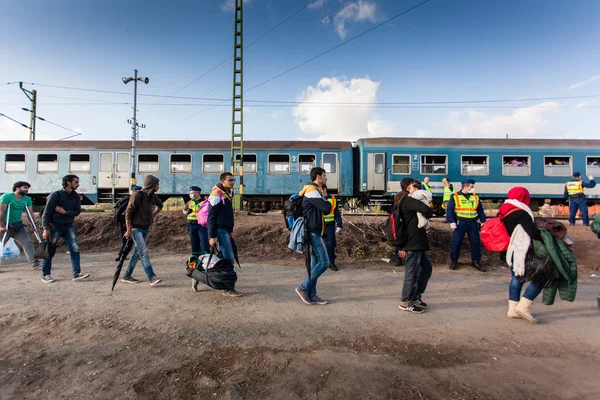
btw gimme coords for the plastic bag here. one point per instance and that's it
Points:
(11, 250)
(41, 253)
(204, 261)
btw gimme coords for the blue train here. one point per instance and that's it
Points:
(369, 170)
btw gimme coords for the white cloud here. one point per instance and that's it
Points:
(229, 5)
(580, 105)
(328, 122)
(358, 12)
(523, 122)
(317, 4)
(585, 82)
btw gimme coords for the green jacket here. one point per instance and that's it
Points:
(565, 263)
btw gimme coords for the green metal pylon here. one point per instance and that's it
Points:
(237, 113)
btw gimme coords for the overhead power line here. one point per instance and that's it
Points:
(14, 120)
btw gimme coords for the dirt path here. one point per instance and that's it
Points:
(77, 340)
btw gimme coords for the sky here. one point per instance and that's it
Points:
(435, 71)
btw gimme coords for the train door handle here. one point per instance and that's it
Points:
(94, 180)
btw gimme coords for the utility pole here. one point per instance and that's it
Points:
(32, 96)
(237, 124)
(134, 124)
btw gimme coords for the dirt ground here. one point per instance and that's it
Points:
(79, 340)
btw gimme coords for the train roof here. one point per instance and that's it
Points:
(478, 143)
(170, 145)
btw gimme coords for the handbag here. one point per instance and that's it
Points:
(42, 253)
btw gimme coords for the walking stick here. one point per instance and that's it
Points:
(5, 234)
(33, 225)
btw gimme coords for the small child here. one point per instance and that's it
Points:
(423, 196)
(547, 211)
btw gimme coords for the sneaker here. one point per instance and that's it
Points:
(195, 285)
(129, 279)
(232, 293)
(413, 309)
(304, 296)
(80, 277)
(155, 280)
(36, 265)
(317, 300)
(47, 279)
(333, 267)
(420, 303)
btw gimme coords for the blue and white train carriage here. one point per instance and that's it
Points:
(543, 166)
(273, 170)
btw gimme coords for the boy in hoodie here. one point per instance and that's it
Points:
(314, 207)
(220, 220)
(139, 216)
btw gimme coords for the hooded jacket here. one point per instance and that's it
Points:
(139, 210)
(513, 215)
(314, 206)
(220, 215)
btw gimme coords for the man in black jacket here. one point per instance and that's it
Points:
(59, 215)
(418, 268)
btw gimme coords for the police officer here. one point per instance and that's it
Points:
(574, 192)
(463, 210)
(426, 184)
(332, 220)
(198, 233)
(448, 191)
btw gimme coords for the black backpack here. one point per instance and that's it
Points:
(120, 207)
(394, 229)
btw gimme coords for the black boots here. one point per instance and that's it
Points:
(333, 267)
(477, 265)
(453, 265)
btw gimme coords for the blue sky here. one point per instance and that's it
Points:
(442, 51)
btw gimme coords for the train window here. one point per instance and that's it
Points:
(557, 166)
(14, 163)
(474, 165)
(79, 163)
(306, 162)
(516, 165)
(434, 164)
(213, 163)
(401, 164)
(148, 163)
(279, 163)
(180, 164)
(47, 163)
(330, 163)
(592, 166)
(249, 163)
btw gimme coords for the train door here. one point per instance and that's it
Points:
(376, 171)
(122, 171)
(331, 167)
(113, 173)
(105, 171)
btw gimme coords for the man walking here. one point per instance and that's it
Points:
(198, 233)
(14, 228)
(574, 192)
(59, 215)
(464, 208)
(314, 207)
(220, 220)
(139, 216)
(333, 224)
(120, 209)
(418, 268)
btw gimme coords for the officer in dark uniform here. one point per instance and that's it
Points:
(574, 192)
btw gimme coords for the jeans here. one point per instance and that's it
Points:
(198, 238)
(331, 242)
(471, 228)
(578, 203)
(70, 237)
(515, 287)
(22, 237)
(318, 265)
(225, 247)
(417, 272)
(140, 251)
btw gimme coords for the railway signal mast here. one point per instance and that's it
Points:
(32, 96)
(237, 125)
(133, 123)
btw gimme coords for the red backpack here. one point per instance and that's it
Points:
(494, 235)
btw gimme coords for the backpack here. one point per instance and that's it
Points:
(595, 225)
(494, 235)
(394, 229)
(292, 210)
(202, 214)
(120, 207)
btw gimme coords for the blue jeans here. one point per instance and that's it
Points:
(70, 237)
(331, 242)
(471, 228)
(417, 272)
(515, 287)
(198, 238)
(318, 265)
(578, 203)
(225, 247)
(140, 251)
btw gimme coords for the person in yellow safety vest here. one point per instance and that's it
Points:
(426, 184)
(574, 192)
(448, 192)
(463, 210)
(198, 233)
(331, 220)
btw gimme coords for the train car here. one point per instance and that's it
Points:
(273, 170)
(541, 165)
